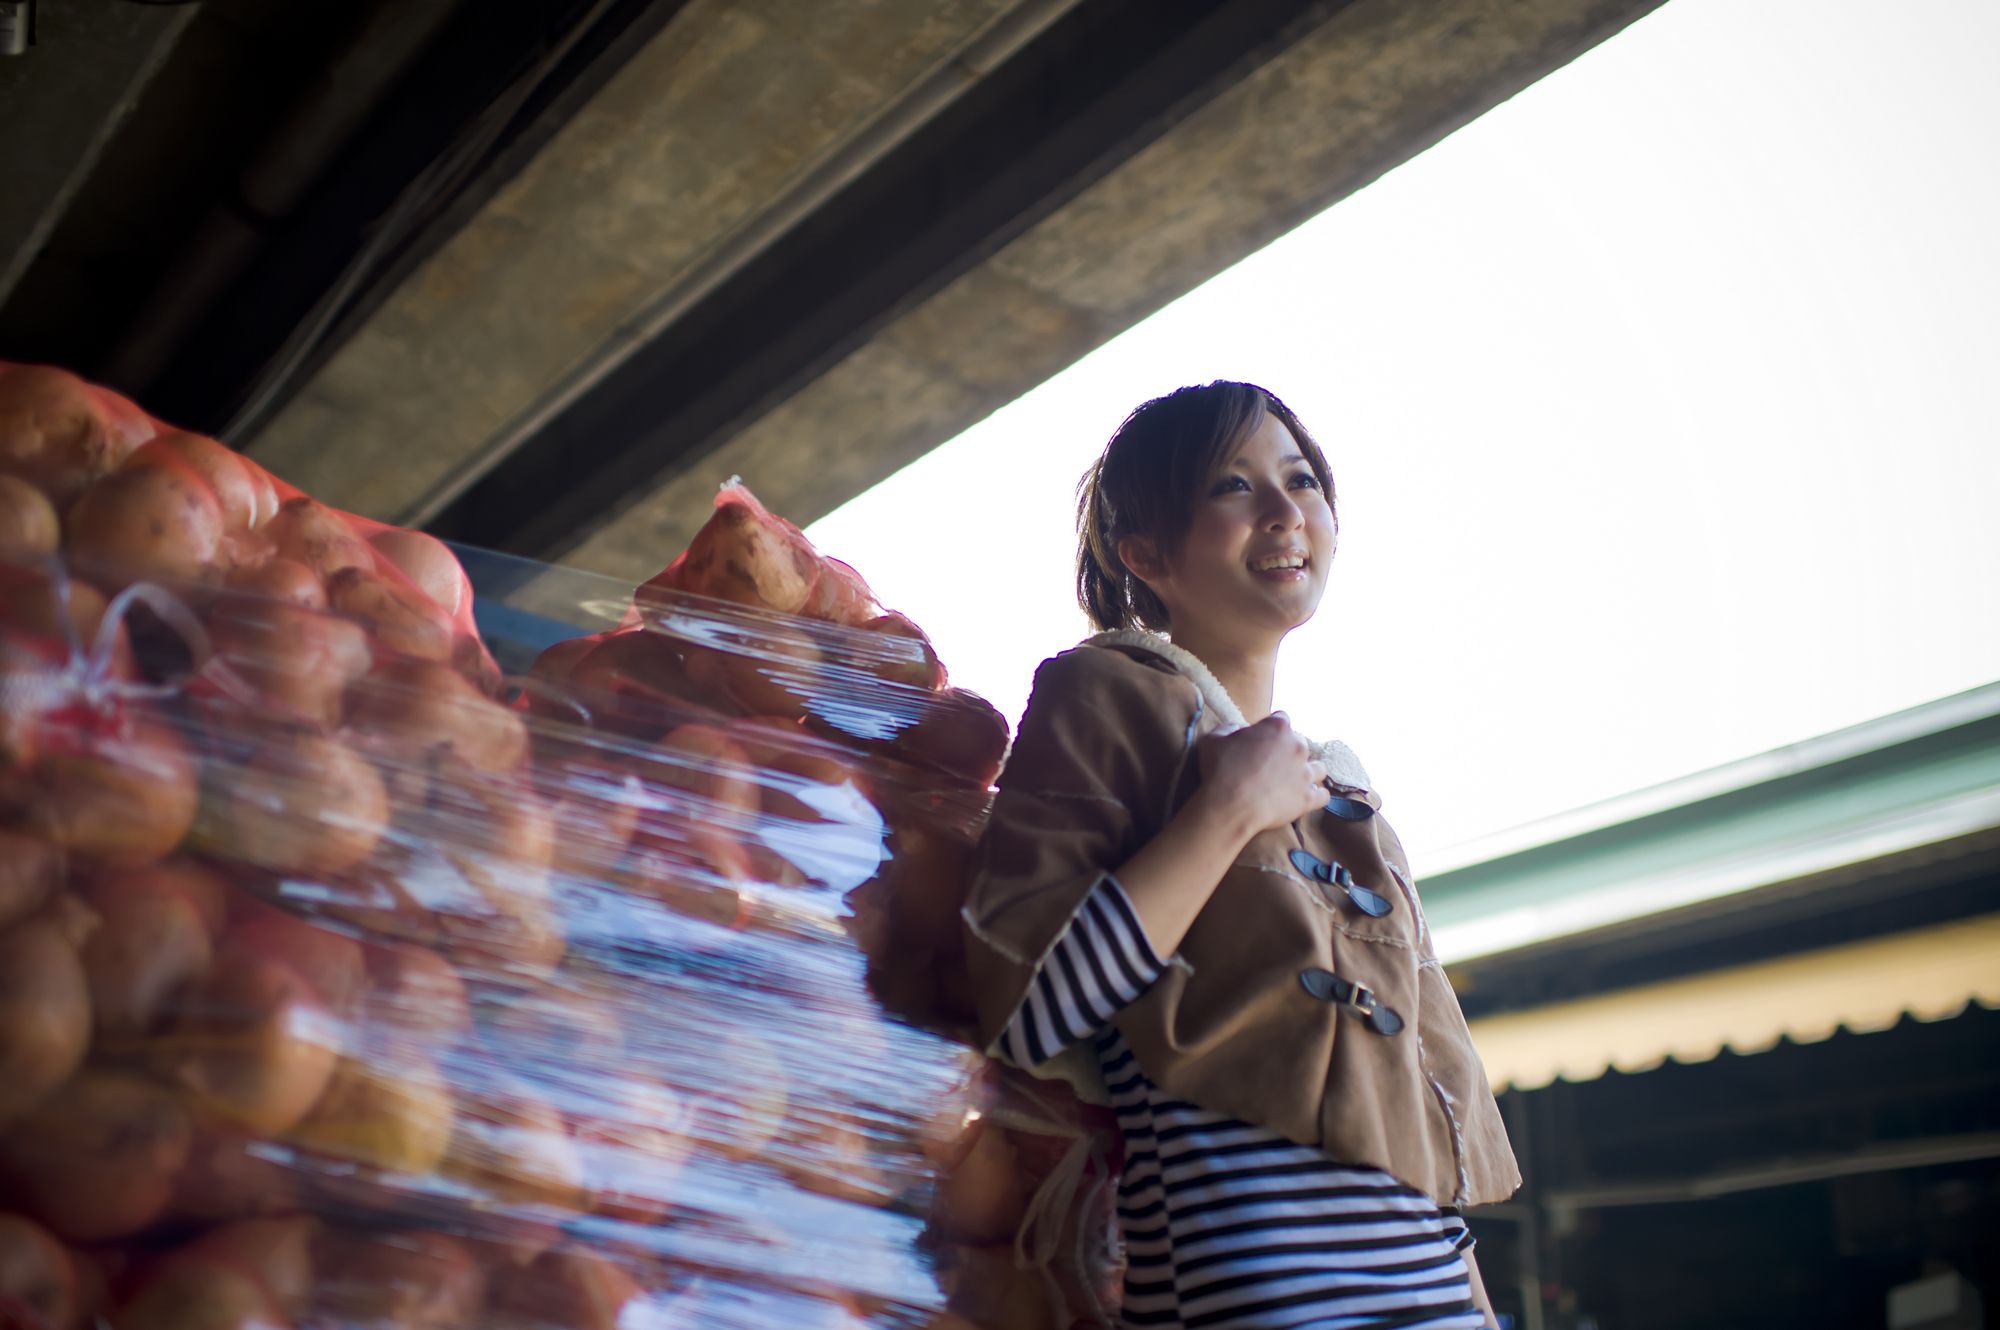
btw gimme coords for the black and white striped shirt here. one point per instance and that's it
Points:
(1229, 1226)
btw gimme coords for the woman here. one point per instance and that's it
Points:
(1183, 905)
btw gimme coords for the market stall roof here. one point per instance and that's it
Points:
(1860, 804)
(1929, 974)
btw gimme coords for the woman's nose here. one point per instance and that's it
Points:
(1281, 514)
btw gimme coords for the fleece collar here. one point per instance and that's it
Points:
(1341, 763)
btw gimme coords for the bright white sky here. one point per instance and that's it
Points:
(1660, 401)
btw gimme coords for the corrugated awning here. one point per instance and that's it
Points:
(1930, 973)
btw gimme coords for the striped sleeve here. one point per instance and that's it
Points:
(1101, 962)
(1455, 1228)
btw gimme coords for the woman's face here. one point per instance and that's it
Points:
(1257, 551)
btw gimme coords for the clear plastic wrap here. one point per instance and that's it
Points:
(345, 981)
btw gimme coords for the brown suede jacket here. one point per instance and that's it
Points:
(1305, 998)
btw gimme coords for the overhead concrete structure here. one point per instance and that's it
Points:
(538, 273)
(740, 124)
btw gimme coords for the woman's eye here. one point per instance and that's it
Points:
(1306, 478)
(1229, 484)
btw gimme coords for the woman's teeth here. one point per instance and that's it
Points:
(1277, 561)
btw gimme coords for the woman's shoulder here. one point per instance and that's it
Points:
(1098, 674)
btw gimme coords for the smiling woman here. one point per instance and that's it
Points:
(1202, 920)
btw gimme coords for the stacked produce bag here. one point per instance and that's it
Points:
(344, 982)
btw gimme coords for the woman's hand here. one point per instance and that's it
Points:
(1261, 776)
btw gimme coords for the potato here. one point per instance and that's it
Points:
(29, 526)
(44, 1004)
(634, 683)
(301, 803)
(397, 617)
(55, 435)
(280, 579)
(915, 665)
(230, 1174)
(97, 1160)
(568, 1288)
(298, 662)
(429, 566)
(839, 595)
(411, 1279)
(154, 941)
(37, 1277)
(308, 532)
(428, 708)
(782, 677)
(276, 1253)
(32, 605)
(960, 733)
(31, 868)
(983, 1196)
(123, 798)
(413, 991)
(146, 522)
(634, 1139)
(225, 473)
(255, 1044)
(752, 559)
(384, 1108)
(510, 1145)
(200, 1295)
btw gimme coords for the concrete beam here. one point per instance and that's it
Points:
(62, 101)
(1372, 87)
(708, 138)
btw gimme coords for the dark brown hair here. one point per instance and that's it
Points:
(1148, 480)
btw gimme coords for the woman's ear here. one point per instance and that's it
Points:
(1141, 554)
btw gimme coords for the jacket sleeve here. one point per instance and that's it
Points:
(1098, 756)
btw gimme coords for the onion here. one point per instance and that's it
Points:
(97, 1160)
(328, 958)
(317, 536)
(54, 435)
(255, 1043)
(153, 943)
(37, 1277)
(31, 868)
(303, 803)
(427, 563)
(44, 1004)
(29, 527)
(426, 706)
(148, 521)
(413, 1279)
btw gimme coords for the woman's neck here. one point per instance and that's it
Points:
(1249, 674)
